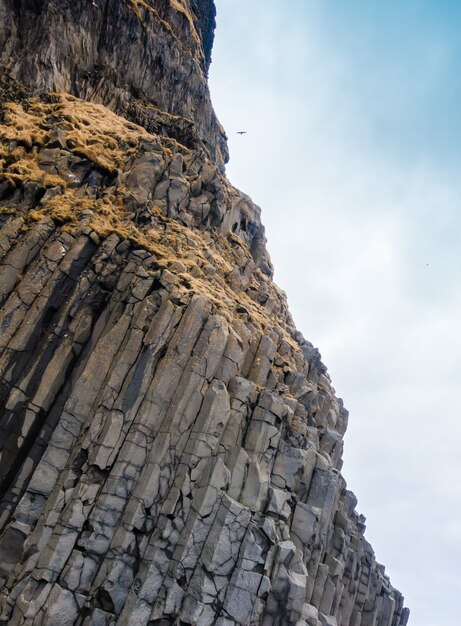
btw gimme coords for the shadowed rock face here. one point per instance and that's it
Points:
(205, 12)
(170, 443)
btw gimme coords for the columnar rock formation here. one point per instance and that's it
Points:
(170, 443)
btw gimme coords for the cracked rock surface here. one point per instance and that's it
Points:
(170, 444)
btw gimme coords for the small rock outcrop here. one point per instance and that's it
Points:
(170, 443)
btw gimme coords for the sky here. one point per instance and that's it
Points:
(353, 151)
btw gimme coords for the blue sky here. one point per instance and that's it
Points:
(401, 60)
(353, 152)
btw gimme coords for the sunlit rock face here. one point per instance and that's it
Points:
(170, 443)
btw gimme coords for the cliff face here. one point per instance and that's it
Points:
(170, 444)
(140, 59)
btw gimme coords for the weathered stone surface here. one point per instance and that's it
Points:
(170, 444)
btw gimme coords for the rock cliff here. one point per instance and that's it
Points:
(170, 443)
(142, 59)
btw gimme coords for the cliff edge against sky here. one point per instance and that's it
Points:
(170, 443)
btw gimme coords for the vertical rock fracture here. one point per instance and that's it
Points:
(170, 443)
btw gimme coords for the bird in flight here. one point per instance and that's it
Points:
(241, 132)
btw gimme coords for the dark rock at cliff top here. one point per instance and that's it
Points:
(170, 443)
(205, 12)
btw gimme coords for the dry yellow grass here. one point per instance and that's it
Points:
(91, 130)
(24, 166)
(110, 142)
(103, 215)
(4, 151)
(170, 243)
(66, 207)
(98, 134)
(24, 126)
